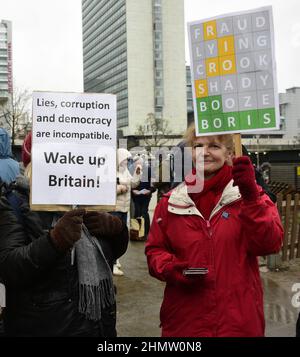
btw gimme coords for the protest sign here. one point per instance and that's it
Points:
(233, 73)
(73, 149)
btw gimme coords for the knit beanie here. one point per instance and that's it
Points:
(26, 150)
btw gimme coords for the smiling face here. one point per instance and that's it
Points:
(212, 151)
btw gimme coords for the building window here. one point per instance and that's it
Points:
(158, 102)
(158, 55)
(282, 109)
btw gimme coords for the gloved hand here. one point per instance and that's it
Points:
(173, 273)
(67, 230)
(102, 224)
(243, 175)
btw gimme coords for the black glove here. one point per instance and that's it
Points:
(102, 224)
(67, 230)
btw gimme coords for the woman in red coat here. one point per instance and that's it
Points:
(218, 219)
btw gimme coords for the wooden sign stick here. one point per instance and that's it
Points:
(237, 145)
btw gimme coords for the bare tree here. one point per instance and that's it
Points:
(15, 114)
(155, 132)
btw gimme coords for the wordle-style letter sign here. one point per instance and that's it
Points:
(233, 73)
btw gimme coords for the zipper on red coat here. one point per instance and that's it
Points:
(212, 258)
(208, 226)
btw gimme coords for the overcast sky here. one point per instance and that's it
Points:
(47, 39)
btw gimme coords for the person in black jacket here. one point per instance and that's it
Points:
(48, 293)
(142, 194)
(2, 287)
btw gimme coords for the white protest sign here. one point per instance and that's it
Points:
(234, 73)
(73, 149)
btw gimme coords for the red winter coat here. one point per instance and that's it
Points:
(228, 301)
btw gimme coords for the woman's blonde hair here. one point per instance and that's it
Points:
(226, 139)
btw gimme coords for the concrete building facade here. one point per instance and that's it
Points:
(5, 60)
(290, 112)
(6, 82)
(135, 49)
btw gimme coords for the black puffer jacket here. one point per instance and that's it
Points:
(41, 283)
